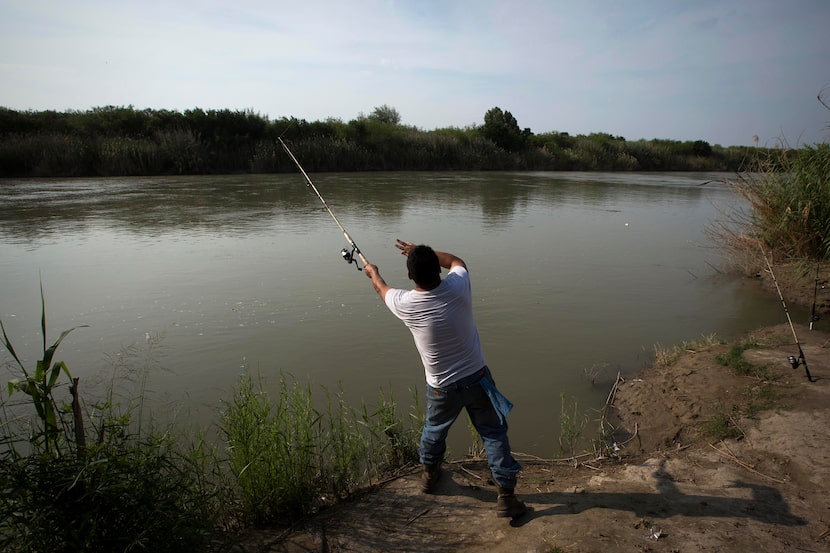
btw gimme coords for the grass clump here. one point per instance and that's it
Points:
(100, 476)
(288, 458)
(721, 426)
(574, 445)
(734, 359)
(571, 427)
(666, 357)
(402, 435)
(788, 197)
(114, 488)
(761, 398)
(127, 493)
(271, 448)
(758, 397)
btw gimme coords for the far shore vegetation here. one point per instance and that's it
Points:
(124, 141)
(86, 468)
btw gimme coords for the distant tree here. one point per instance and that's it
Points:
(111, 121)
(386, 114)
(12, 121)
(503, 130)
(701, 148)
(604, 137)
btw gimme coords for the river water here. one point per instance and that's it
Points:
(576, 277)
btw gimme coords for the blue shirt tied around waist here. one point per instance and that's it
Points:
(501, 404)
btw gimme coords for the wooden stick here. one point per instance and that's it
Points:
(741, 430)
(744, 465)
(471, 473)
(416, 517)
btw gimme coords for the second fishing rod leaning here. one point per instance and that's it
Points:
(794, 361)
(819, 283)
(348, 256)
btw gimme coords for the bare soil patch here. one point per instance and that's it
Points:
(673, 487)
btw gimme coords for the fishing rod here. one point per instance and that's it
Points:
(794, 361)
(815, 317)
(348, 256)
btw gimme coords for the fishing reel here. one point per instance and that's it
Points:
(349, 257)
(794, 361)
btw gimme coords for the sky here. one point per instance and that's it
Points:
(723, 71)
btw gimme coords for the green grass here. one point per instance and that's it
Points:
(271, 448)
(72, 480)
(287, 457)
(788, 195)
(721, 426)
(760, 398)
(734, 359)
(571, 427)
(99, 474)
(757, 397)
(666, 357)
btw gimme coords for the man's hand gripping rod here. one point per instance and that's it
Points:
(348, 256)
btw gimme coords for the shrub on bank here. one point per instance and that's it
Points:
(101, 476)
(788, 198)
(98, 481)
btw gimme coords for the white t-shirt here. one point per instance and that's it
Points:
(441, 322)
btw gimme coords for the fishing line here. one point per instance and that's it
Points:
(794, 361)
(348, 256)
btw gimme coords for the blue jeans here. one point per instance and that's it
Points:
(443, 407)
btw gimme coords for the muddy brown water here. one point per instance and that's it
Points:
(576, 277)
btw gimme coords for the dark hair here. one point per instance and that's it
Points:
(423, 267)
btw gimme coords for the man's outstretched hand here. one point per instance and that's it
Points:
(405, 247)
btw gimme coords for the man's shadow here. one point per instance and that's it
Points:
(766, 503)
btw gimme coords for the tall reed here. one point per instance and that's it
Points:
(287, 457)
(788, 199)
(271, 448)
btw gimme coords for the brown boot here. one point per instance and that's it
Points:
(429, 479)
(508, 505)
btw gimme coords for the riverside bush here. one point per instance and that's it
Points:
(118, 489)
(101, 476)
(788, 194)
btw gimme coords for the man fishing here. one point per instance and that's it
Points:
(439, 314)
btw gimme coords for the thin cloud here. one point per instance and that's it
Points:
(711, 70)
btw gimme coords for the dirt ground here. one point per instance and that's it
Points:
(671, 489)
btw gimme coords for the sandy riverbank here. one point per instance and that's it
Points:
(673, 488)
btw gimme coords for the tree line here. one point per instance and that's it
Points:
(124, 141)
